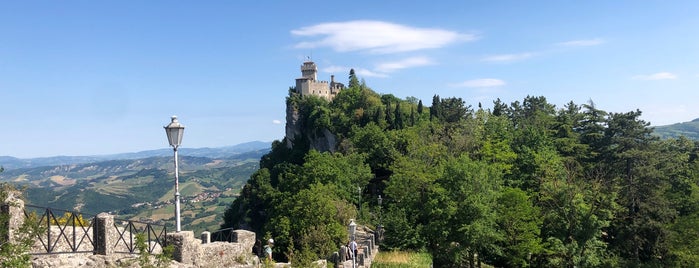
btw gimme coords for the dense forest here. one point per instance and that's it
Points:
(521, 184)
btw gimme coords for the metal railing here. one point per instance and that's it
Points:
(73, 228)
(72, 232)
(223, 235)
(154, 235)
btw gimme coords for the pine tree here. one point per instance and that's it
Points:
(353, 80)
(435, 110)
(398, 121)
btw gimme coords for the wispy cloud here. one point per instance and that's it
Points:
(582, 42)
(376, 37)
(336, 69)
(368, 73)
(480, 83)
(276, 122)
(361, 72)
(387, 67)
(656, 76)
(384, 68)
(508, 57)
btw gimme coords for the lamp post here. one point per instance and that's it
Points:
(379, 229)
(380, 202)
(352, 228)
(352, 231)
(359, 194)
(174, 132)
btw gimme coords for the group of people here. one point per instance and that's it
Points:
(266, 251)
(351, 250)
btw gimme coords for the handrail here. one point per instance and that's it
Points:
(74, 239)
(150, 230)
(225, 235)
(77, 232)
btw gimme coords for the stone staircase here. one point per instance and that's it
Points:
(366, 250)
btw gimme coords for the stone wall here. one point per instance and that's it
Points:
(189, 250)
(109, 243)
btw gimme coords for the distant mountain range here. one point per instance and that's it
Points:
(9, 162)
(687, 129)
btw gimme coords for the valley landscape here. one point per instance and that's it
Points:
(140, 186)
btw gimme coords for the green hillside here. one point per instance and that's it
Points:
(524, 184)
(140, 189)
(689, 130)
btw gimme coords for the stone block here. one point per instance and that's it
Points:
(245, 238)
(187, 249)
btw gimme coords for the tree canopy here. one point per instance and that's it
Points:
(524, 184)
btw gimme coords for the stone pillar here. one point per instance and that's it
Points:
(102, 233)
(187, 249)
(246, 239)
(343, 254)
(360, 258)
(206, 237)
(335, 258)
(14, 207)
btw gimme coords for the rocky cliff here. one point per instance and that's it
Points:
(321, 140)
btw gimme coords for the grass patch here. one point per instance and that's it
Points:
(402, 259)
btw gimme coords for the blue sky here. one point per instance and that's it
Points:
(101, 77)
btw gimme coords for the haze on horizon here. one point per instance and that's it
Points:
(93, 78)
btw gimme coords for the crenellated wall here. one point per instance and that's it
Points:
(308, 83)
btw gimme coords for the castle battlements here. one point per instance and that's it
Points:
(308, 83)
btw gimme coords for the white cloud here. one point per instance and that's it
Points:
(368, 73)
(376, 37)
(508, 57)
(656, 76)
(336, 69)
(387, 67)
(361, 72)
(582, 42)
(480, 83)
(276, 122)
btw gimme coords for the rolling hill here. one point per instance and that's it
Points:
(143, 188)
(687, 129)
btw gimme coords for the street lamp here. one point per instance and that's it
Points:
(359, 194)
(380, 201)
(352, 232)
(352, 228)
(174, 132)
(379, 228)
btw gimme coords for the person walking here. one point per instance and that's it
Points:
(268, 249)
(353, 248)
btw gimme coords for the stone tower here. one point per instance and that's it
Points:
(308, 83)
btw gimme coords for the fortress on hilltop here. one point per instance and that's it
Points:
(308, 83)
